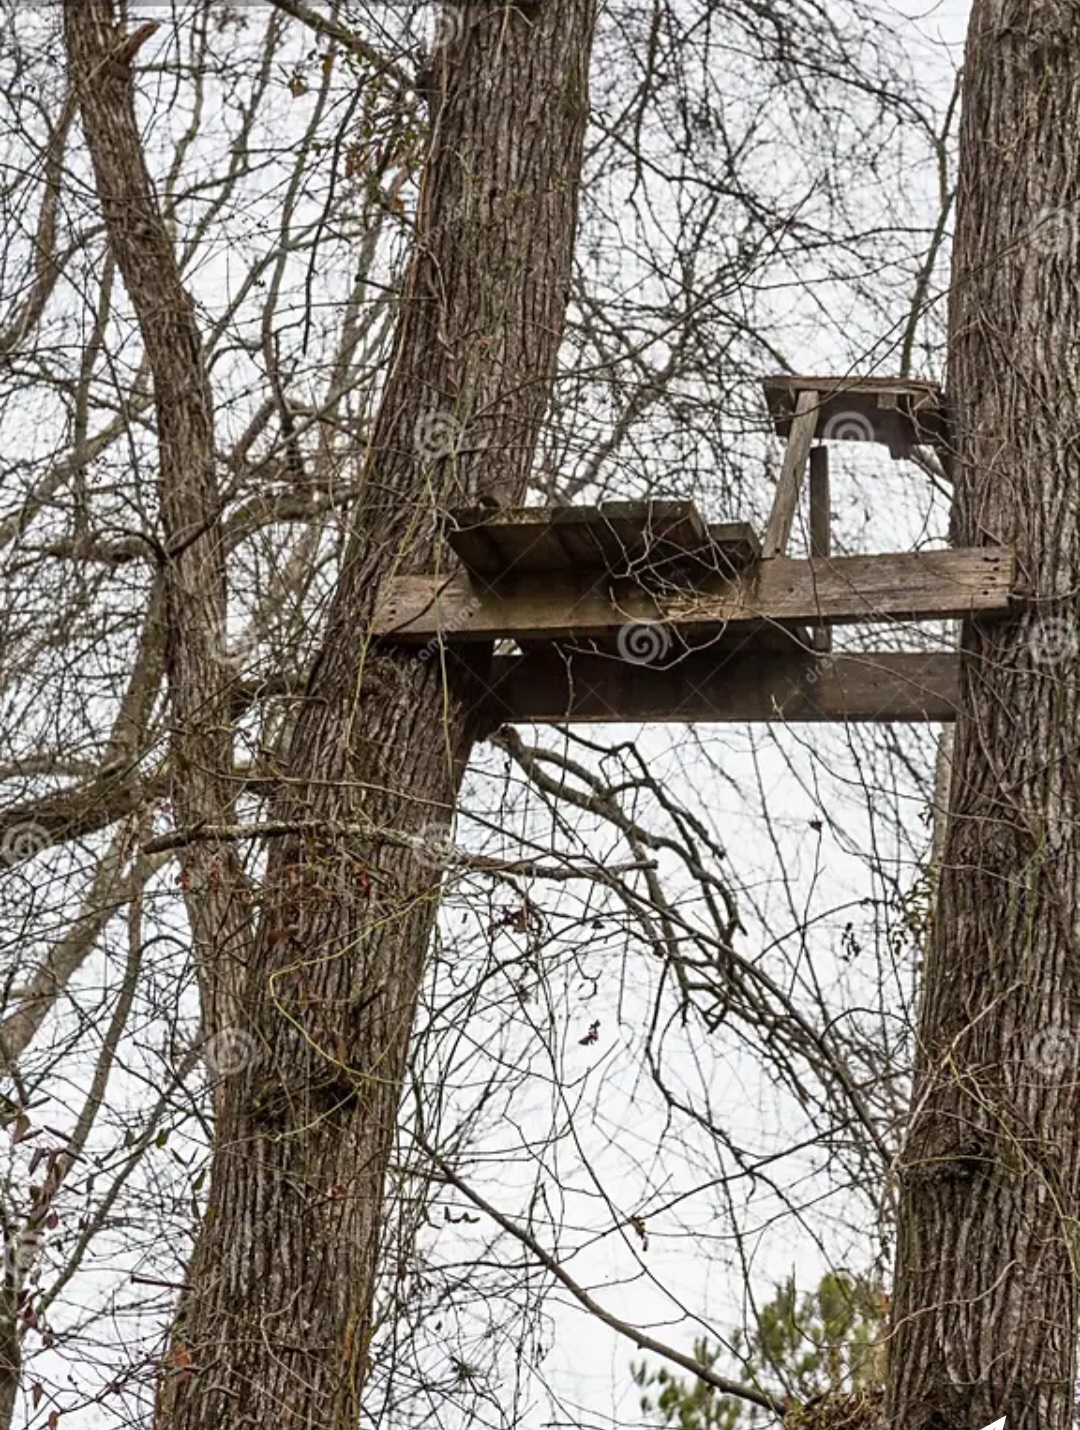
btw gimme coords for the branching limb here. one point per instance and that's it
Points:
(640, 1338)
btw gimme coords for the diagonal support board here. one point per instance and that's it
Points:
(910, 586)
(565, 687)
(789, 484)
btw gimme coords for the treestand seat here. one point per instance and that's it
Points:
(900, 413)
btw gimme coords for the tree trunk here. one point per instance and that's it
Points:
(275, 1324)
(10, 1349)
(100, 58)
(986, 1286)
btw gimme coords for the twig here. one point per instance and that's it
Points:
(624, 1328)
(448, 854)
(332, 30)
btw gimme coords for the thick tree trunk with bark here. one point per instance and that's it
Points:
(985, 1317)
(275, 1325)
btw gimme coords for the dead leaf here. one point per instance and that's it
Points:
(592, 1036)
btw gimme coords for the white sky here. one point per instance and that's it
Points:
(589, 1364)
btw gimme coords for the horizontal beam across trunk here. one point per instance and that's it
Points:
(562, 688)
(914, 586)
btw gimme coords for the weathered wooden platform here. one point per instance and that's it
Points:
(566, 605)
(900, 413)
(635, 611)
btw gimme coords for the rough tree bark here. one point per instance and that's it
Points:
(275, 1324)
(986, 1276)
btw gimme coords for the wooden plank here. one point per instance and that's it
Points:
(820, 526)
(845, 590)
(475, 547)
(887, 385)
(562, 538)
(662, 537)
(789, 483)
(560, 688)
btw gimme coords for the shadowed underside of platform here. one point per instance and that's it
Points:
(565, 688)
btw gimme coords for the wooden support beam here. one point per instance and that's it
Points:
(845, 590)
(820, 525)
(789, 484)
(557, 687)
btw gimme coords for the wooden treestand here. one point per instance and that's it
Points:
(634, 611)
